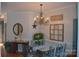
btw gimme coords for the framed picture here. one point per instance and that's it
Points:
(57, 17)
(57, 32)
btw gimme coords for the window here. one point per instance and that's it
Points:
(57, 32)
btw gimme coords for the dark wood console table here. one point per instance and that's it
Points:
(13, 46)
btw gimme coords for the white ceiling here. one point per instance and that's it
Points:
(34, 6)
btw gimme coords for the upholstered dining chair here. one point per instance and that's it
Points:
(60, 51)
(49, 53)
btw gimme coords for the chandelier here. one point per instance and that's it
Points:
(39, 20)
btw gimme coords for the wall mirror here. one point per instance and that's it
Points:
(17, 29)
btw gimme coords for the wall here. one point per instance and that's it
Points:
(25, 18)
(69, 14)
(0, 12)
(78, 31)
(0, 24)
(0, 6)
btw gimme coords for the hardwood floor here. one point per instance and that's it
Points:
(9, 54)
(72, 55)
(18, 54)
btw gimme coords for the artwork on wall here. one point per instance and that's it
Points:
(57, 17)
(57, 32)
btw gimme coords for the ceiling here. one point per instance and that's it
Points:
(33, 6)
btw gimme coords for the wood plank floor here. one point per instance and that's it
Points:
(18, 54)
(7, 54)
(12, 54)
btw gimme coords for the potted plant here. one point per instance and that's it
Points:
(38, 38)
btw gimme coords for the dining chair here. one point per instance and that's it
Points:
(49, 53)
(60, 51)
(25, 49)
